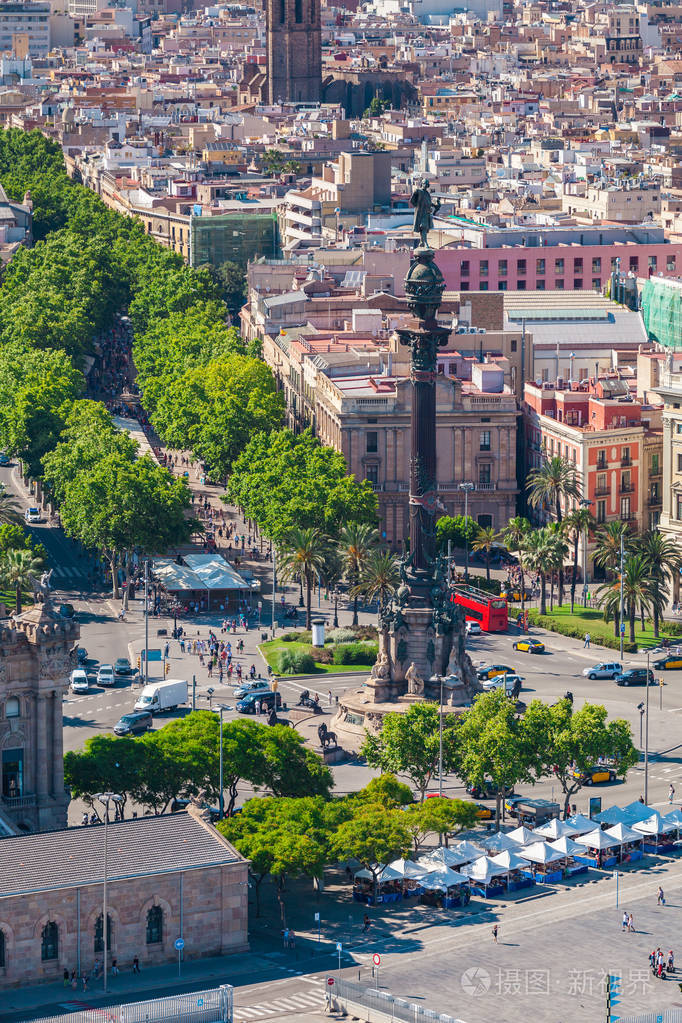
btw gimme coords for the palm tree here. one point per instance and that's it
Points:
(577, 523)
(555, 479)
(20, 569)
(9, 509)
(485, 540)
(539, 557)
(607, 551)
(636, 591)
(663, 557)
(514, 537)
(380, 575)
(558, 549)
(303, 557)
(356, 541)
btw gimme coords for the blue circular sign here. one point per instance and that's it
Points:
(179, 944)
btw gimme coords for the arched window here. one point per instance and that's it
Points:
(99, 937)
(12, 707)
(2, 950)
(155, 926)
(50, 942)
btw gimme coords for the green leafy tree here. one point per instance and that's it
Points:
(20, 569)
(379, 576)
(444, 816)
(374, 835)
(569, 743)
(233, 281)
(105, 764)
(409, 744)
(455, 528)
(491, 745)
(579, 522)
(387, 790)
(9, 509)
(288, 768)
(15, 538)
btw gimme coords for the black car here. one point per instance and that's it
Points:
(123, 668)
(634, 677)
(134, 724)
(487, 791)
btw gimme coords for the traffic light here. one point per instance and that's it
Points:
(139, 663)
(167, 667)
(613, 993)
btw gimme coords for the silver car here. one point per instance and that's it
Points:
(605, 669)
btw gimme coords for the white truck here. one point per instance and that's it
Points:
(158, 696)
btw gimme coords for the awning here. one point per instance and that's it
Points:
(522, 836)
(540, 852)
(509, 860)
(442, 879)
(655, 825)
(215, 573)
(467, 849)
(581, 824)
(622, 833)
(500, 842)
(566, 846)
(597, 839)
(483, 870)
(555, 829)
(441, 858)
(386, 874)
(406, 868)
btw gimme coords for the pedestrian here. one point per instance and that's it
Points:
(67, 978)
(624, 921)
(330, 697)
(631, 924)
(660, 899)
(210, 668)
(74, 981)
(114, 967)
(84, 980)
(285, 937)
(671, 962)
(671, 793)
(586, 643)
(495, 934)
(365, 923)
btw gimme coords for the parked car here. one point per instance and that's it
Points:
(78, 681)
(529, 646)
(491, 670)
(33, 515)
(486, 791)
(5, 459)
(598, 775)
(634, 677)
(123, 668)
(105, 675)
(605, 669)
(511, 682)
(248, 703)
(668, 662)
(473, 629)
(252, 685)
(134, 724)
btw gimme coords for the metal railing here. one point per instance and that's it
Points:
(382, 1001)
(665, 1016)
(212, 1006)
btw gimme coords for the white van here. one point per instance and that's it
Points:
(158, 696)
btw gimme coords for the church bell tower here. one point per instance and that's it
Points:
(294, 51)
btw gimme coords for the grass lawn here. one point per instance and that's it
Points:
(585, 619)
(272, 648)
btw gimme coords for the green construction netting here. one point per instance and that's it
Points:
(661, 307)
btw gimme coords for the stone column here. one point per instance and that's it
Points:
(41, 746)
(57, 745)
(423, 447)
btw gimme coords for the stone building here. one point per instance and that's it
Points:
(168, 877)
(35, 661)
(294, 51)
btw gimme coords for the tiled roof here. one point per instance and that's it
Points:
(143, 846)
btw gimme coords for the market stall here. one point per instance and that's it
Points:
(581, 824)
(555, 829)
(388, 882)
(487, 878)
(516, 867)
(447, 857)
(598, 849)
(658, 835)
(629, 848)
(569, 849)
(543, 863)
(468, 850)
(412, 875)
(445, 887)
(500, 842)
(522, 836)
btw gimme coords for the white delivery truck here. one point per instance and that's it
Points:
(158, 696)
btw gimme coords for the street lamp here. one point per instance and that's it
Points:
(467, 488)
(440, 738)
(640, 708)
(336, 607)
(646, 737)
(221, 802)
(585, 503)
(105, 798)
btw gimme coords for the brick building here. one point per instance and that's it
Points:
(168, 877)
(35, 661)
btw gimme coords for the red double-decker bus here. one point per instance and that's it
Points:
(479, 606)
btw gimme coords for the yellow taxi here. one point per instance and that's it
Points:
(666, 663)
(599, 775)
(529, 646)
(493, 670)
(484, 813)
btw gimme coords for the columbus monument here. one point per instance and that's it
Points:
(421, 632)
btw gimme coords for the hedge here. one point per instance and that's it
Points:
(355, 653)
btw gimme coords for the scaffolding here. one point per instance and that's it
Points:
(661, 307)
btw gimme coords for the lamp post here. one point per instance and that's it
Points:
(146, 622)
(640, 708)
(440, 739)
(274, 587)
(336, 607)
(467, 488)
(105, 798)
(621, 624)
(585, 503)
(646, 737)
(221, 801)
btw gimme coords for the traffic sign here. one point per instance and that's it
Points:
(317, 918)
(339, 946)
(330, 981)
(179, 944)
(376, 959)
(622, 628)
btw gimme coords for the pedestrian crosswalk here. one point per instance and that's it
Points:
(301, 1001)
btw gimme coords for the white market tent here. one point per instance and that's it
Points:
(509, 860)
(580, 824)
(541, 852)
(655, 825)
(467, 849)
(597, 839)
(387, 874)
(637, 811)
(407, 869)
(623, 833)
(612, 815)
(500, 842)
(483, 870)
(567, 847)
(674, 817)
(442, 857)
(442, 879)
(555, 829)
(522, 836)
(206, 575)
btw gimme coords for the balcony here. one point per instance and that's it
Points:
(18, 802)
(626, 461)
(601, 463)
(626, 488)
(486, 486)
(654, 500)
(602, 491)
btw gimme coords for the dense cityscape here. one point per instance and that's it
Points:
(340, 511)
